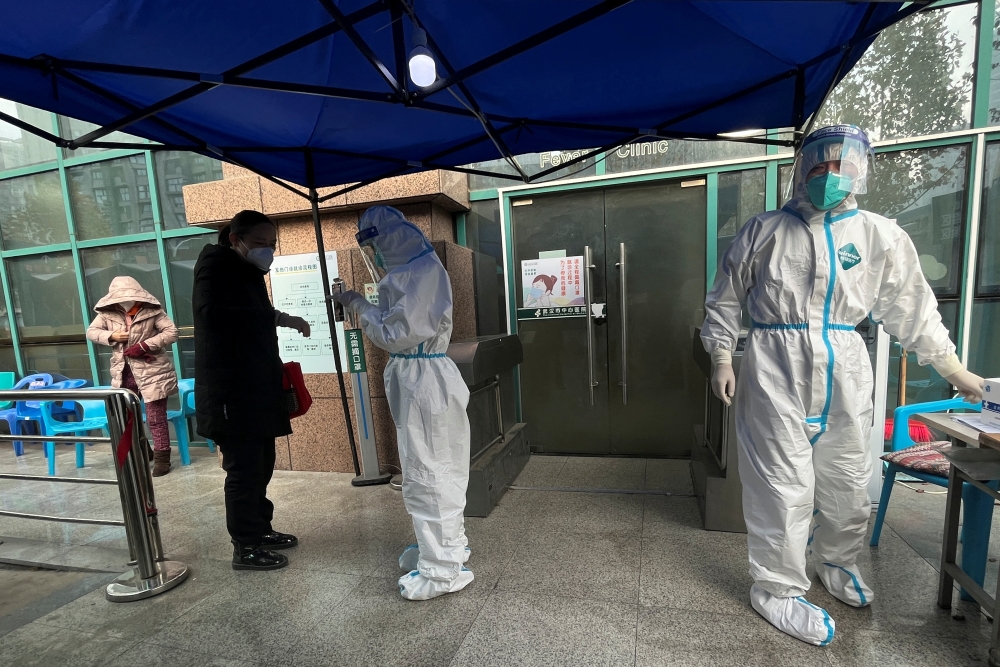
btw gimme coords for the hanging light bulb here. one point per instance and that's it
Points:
(423, 71)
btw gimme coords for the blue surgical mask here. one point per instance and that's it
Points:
(536, 292)
(828, 190)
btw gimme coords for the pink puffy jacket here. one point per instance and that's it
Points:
(157, 378)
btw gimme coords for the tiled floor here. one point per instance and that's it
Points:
(562, 578)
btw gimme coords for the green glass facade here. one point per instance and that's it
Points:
(70, 221)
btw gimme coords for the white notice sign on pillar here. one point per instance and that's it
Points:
(297, 288)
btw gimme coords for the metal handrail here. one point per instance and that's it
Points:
(153, 573)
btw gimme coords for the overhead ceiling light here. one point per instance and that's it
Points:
(743, 133)
(423, 70)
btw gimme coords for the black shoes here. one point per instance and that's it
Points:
(278, 541)
(256, 557)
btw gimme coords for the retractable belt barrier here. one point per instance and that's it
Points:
(151, 573)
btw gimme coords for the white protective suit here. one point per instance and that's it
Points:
(804, 395)
(427, 397)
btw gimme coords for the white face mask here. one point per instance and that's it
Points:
(126, 305)
(259, 257)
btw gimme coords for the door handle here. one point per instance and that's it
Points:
(588, 265)
(623, 298)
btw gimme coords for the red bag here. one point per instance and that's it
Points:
(296, 395)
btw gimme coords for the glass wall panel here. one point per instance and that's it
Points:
(916, 78)
(69, 359)
(984, 338)
(181, 256)
(533, 163)
(784, 183)
(185, 345)
(46, 299)
(741, 196)
(71, 128)
(925, 191)
(483, 234)
(922, 382)
(7, 362)
(988, 276)
(174, 170)
(674, 152)
(102, 265)
(110, 198)
(32, 212)
(19, 148)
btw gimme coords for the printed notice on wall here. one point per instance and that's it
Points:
(297, 289)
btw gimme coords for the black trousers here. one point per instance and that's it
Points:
(249, 464)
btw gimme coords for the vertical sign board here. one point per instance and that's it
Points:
(297, 289)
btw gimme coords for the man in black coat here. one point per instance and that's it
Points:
(238, 381)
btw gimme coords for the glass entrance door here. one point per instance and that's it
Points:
(646, 388)
(656, 297)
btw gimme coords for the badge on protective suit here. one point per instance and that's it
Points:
(849, 256)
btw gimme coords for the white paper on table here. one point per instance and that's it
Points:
(976, 422)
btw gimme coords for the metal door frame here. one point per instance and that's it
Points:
(709, 171)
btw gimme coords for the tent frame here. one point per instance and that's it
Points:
(395, 77)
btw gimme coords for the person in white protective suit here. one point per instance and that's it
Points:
(807, 275)
(426, 393)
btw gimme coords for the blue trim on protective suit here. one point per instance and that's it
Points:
(826, 619)
(854, 579)
(439, 355)
(827, 305)
(792, 212)
(778, 327)
(798, 326)
(425, 252)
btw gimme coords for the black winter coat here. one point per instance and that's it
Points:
(237, 369)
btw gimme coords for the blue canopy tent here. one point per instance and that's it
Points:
(316, 92)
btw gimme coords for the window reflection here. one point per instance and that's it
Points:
(46, 299)
(988, 278)
(71, 128)
(174, 170)
(107, 197)
(181, 256)
(916, 78)
(925, 191)
(741, 196)
(19, 148)
(32, 212)
(68, 359)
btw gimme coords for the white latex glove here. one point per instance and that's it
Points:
(724, 383)
(297, 323)
(969, 385)
(346, 298)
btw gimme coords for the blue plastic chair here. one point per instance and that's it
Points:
(977, 506)
(179, 417)
(94, 418)
(14, 416)
(191, 410)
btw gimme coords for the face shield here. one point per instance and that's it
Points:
(370, 253)
(832, 164)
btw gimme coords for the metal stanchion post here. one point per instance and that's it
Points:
(150, 576)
